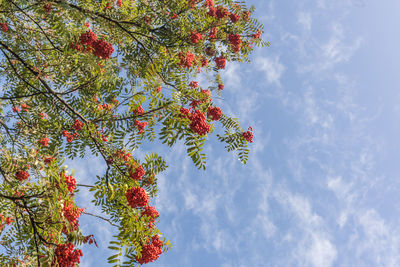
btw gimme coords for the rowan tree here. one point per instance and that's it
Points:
(101, 77)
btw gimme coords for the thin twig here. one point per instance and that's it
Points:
(104, 219)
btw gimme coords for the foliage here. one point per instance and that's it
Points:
(100, 77)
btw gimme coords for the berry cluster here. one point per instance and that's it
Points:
(186, 60)
(141, 125)
(48, 159)
(195, 37)
(151, 251)
(257, 35)
(78, 125)
(198, 121)
(100, 48)
(214, 113)
(220, 62)
(3, 222)
(235, 41)
(69, 136)
(137, 172)
(139, 111)
(248, 135)
(44, 141)
(4, 26)
(204, 62)
(234, 17)
(213, 33)
(47, 7)
(137, 197)
(194, 84)
(66, 255)
(90, 239)
(24, 107)
(69, 181)
(199, 124)
(22, 175)
(122, 155)
(71, 213)
(43, 115)
(221, 12)
(151, 212)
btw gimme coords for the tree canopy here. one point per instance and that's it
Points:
(102, 77)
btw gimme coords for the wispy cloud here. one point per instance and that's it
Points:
(272, 68)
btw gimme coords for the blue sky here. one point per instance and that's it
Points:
(321, 187)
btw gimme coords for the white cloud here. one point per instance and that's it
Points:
(305, 20)
(231, 76)
(321, 253)
(321, 56)
(272, 67)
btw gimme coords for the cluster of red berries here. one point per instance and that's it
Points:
(235, 41)
(7, 220)
(198, 121)
(257, 35)
(100, 48)
(69, 181)
(106, 107)
(220, 62)
(199, 124)
(4, 26)
(122, 155)
(137, 197)
(194, 84)
(139, 111)
(204, 62)
(195, 37)
(136, 172)
(150, 212)
(151, 251)
(234, 17)
(43, 115)
(141, 125)
(24, 107)
(248, 135)
(214, 113)
(213, 33)
(47, 7)
(69, 136)
(22, 175)
(44, 141)
(78, 125)
(71, 213)
(90, 239)
(221, 12)
(48, 159)
(66, 255)
(186, 60)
